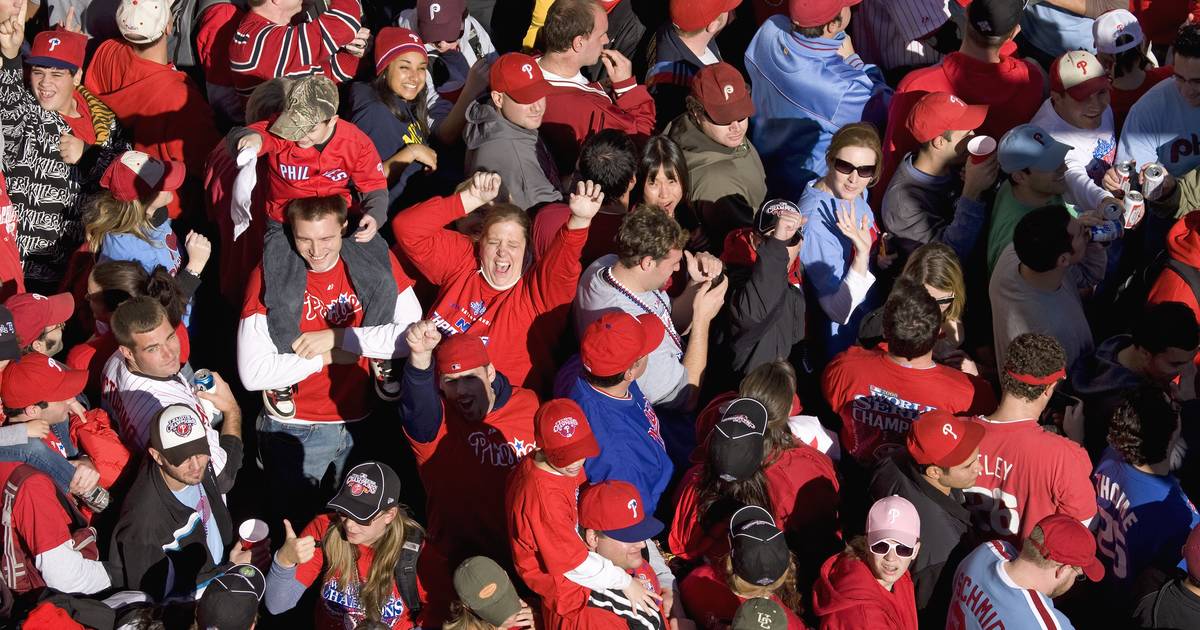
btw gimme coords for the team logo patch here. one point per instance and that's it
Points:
(360, 484)
(477, 307)
(181, 425)
(566, 427)
(487, 591)
(741, 419)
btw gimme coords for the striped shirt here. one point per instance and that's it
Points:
(885, 32)
(133, 400)
(986, 598)
(262, 50)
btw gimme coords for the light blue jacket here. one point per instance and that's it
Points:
(803, 92)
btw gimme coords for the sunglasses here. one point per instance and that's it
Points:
(882, 548)
(845, 168)
(946, 301)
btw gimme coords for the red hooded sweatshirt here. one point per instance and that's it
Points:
(1183, 244)
(1013, 86)
(847, 597)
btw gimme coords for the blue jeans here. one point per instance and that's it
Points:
(37, 454)
(303, 464)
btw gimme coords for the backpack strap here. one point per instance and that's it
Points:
(1190, 275)
(406, 570)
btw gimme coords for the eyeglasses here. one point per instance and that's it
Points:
(882, 548)
(946, 301)
(845, 168)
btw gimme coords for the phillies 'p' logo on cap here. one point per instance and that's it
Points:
(54, 43)
(434, 9)
(528, 70)
(633, 506)
(566, 427)
(727, 91)
(949, 430)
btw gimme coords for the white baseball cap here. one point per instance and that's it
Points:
(1116, 31)
(143, 21)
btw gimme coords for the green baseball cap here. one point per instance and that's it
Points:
(759, 613)
(311, 100)
(485, 588)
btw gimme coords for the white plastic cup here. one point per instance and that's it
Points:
(980, 147)
(252, 531)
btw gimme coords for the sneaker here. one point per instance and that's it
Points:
(279, 402)
(387, 385)
(96, 500)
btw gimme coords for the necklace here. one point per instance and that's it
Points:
(665, 315)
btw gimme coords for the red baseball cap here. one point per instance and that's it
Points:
(518, 76)
(563, 432)
(939, 112)
(32, 313)
(57, 49)
(394, 41)
(721, 89)
(615, 508)
(612, 343)
(38, 378)
(136, 175)
(460, 353)
(809, 13)
(1066, 540)
(940, 438)
(440, 20)
(1079, 74)
(1191, 553)
(694, 15)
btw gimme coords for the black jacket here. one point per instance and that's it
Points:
(766, 311)
(156, 538)
(946, 534)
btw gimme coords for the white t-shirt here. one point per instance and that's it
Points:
(1092, 154)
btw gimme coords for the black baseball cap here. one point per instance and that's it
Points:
(10, 348)
(758, 549)
(230, 601)
(735, 446)
(368, 489)
(768, 217)
(995, 18)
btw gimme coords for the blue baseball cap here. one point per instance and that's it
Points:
(1031, 147)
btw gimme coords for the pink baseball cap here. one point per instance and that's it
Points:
(893, 518)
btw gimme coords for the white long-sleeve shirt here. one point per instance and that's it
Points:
(1092, 153)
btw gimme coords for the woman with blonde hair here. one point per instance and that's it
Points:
(356, 552)
(487, 599)
(840, 234)
(758, 564)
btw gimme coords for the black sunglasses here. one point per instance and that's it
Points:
(946, 301)
(882, 548)
(845, 168)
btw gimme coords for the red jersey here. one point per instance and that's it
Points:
(466, 303)
(465, 469)
(1123, 100)
(214, 33)
(12, 276)
(575, 111)
(708, 600)
(237, 258)
(337, 392)
(602, 233)
(39, 519)
(878, 399)
(261, 50)
(1013, 87)
(349, 157)
(339, 607)
(1028, 474)
(543, 531)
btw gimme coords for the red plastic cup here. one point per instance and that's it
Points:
(251, 532)
(980, 147)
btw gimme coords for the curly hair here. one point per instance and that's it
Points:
(911, 320)
(648, 232)
(1142, 427)
(1035, 355)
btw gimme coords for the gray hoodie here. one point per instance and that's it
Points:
(524, 163)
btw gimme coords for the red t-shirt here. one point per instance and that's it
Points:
(602, 234)
(878, 399)
(337, 392)
(339, 607)
(38, 517)
(511, 322)
(1123, 100)
(465, 469)
(1028, 474)
(81, 126)
(708, 600)
(1161, 19)
(349, 157)
(543, 531)
(12, 275)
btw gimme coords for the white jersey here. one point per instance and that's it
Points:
(133, 400)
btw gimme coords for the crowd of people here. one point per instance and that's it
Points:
(597, 314)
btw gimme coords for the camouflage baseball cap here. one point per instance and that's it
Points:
(311, 100)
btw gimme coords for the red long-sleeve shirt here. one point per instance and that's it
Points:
(575, 111)
(262, 50)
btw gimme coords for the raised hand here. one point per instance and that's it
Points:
(199, 249)
(294, 550)
(12, 32)
(585, 202)
(422, 337)
(618, 66)
(480, 189)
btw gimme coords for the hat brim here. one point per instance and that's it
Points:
(1087, 88)
(1052, 157)
(51, 62)
(288, 127)
(655, 331)
(972, 436)
(62, 307)
(821, 19)
(530, 93)
(446, 32)
(732, 111)
(584, 448)
(1094, 570)
(173, 175)
(70, 386)
(645, 530)
(177, 455)
(972, 118)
